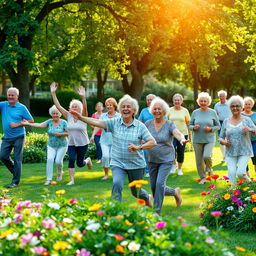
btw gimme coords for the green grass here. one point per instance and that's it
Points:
(89, 186)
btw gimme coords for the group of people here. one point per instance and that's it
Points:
(130, 146)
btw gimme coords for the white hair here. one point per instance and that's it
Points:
(78, 102)
(128, 98)
(249, 99)
(161, 102)
(236, 98)
(177, 95)
(222, 92)
(13, 89)
(53, 109)
(150, 95)
(204, 95)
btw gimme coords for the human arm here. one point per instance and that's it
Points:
(179, 136)
(20, 124)
(95, 130)
(223, 137)
(187, 120)
(53, 88)
(216, 123)
(81, 92)
(36, 125)
(192, 125)
(148, 144)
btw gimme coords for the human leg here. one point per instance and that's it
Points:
(118, 182)
(231, 164)
(242, 161)
(51, 154)
(71, 163)
(98, 147)
(207, 156)
(6, 148)
(106, 153)
(153, 170)
(80, 153)
(180, 155)
(61, 152)
(198, 148)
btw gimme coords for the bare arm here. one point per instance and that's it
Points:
(149, 144)
(14, 125)
(62, 110)
(37, 125)
(95, 130)
(81, 92)
(179, 136)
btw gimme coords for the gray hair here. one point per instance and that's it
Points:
(222, 92)
(78, 102)
(128, 98)
(161, 102)
(249, 99)
(177, 95)
(204, 95)
(53, 109)
(151, 95)
(236, 98)
(13, 89)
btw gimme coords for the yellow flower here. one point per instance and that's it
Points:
(95, 207)
(254, 196)
(246, 188)
(120, 249)
(60, 192)
(60, 245)
(5, 233)
(226, 196)
(137, 183)
(188, 244)
(119, 217)
(141, 222)
(229, 183)
(64, 232)
(128, 223)
(77, 235)
(210, 206)
(26, 211)
(254, 209)
(5, 191)
(240, 249)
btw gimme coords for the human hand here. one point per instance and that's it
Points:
(24, 122)
(81, 91)
(183, 141)
(92, 139)
(247, 129)
(74, 113)
(14, 125)
(196, 127)
(133, 147)
(226, 143)
(207, 129)
(53, 87)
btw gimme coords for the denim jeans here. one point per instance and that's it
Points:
(14, 166)
(106, 155)
(98, 147)
(76, 153)
(118, 182)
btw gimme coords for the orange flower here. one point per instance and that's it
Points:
(254, 209)
(240, 249)
(188, 244)
(119, 249)
(128, 223)
(210, 206)
(253, 196)
(226, 196)
(137, 183)
(208, 178)
(141, 222)
(253, 199)
(118, 237)
(241, 181)
(141, 201)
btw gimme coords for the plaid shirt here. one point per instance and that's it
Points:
(122, 135)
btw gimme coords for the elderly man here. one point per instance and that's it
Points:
(13, 113)
(223, 112)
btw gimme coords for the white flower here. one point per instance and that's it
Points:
(93, 227)
(230, 208)
(131, 230)
(6, 222)
(209, 240)
(203, 228)
(67, 220)
(134, 247)
(55, 206)
(240, 209)
(248, 198)
(34, 241)
(124, 243)
(201, 205)
(12, 236)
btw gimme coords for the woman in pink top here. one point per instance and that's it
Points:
(96, 115)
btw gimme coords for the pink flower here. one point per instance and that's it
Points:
(26, 238)
(17, 217)
(209, 240)
(184, 224)
(39, 250)
(239, 203)
(236, 192)
(73, 200)
(83, 252)
(49, 223)
(235, 199)
(225, 177)
(160, 225)
(216, 213)
(100, 212)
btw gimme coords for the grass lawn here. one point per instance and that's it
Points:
(89, 186)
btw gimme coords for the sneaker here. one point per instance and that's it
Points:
(180, 172)
(146, 175)
(48, 182)
(88, 163)
(70, 183)
(98, 162)
(12, 185)
(149, 203)
(173, 169)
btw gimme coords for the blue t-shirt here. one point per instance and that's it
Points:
(14, 114)
(145, 115)
(57, 141)
(253, 118)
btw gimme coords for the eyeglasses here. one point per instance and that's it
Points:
(235, 106)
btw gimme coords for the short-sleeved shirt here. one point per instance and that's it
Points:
(164, 151)
(122, 137)
(77, 132)
(180, 117)
(95, 116)
(106, 137)
(253, 118)
(145, 115)
(240, 141)
(57, 141)
(204, 118)
(15, 114)
(222, 110)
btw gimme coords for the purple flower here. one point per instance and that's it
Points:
(100, 212)
(225, 177)
(184, 224)
(235, 199)
(38, 234)
(49, 223)
(160, 225)
(39, 250)
(26, 238)
(239, 203)
(83, 252)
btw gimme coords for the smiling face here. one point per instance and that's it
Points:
(127, 110)
(149, 100)
(222, 97)
(203, 102)
(110, 107)
(75, 107)
(55, 115)
(248, 105)
(236, 108)
(12, 97)
(177, 101)
(99, 107)
(158, 111)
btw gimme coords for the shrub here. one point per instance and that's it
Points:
(70, 227)
(37, 140)
(32, 154)
(237, 206)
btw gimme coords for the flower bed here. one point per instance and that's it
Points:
(69, 227)
(236, 207)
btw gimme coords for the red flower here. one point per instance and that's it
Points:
(119, 237)
(212, 186)
(141, 201)
(198, 180)
(215, 176)
(241, 181)
(208, 178)
(204, 194)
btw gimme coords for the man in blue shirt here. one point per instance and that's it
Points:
(13, 113)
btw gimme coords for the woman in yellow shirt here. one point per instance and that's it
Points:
(180, 116)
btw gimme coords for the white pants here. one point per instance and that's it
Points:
(237, 167)
(56, 154)
(106, 155)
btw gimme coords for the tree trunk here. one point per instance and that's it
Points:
(32, 84)
(194, 73)
(4, 83)
(100, 84)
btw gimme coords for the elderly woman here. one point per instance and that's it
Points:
(248, 105)
(180, 116)
(106, 137)
(204, 123)
(127, 156)
(235, 135)
(161, 157)
(77, 132)
(57, 142)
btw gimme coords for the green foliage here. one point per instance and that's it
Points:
(32, 154)
(65, 96)
(69, 227)
(40, 106)
(237, 205)
(37, 140)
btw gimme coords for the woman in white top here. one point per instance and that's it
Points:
(77, 132)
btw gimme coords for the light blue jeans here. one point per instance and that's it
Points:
(106, 155)
(119, 175)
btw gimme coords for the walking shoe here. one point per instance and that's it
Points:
(12, 185)
(173, 169)
(88, 163)
(98, 162)
(180, 172)
(48, 182)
